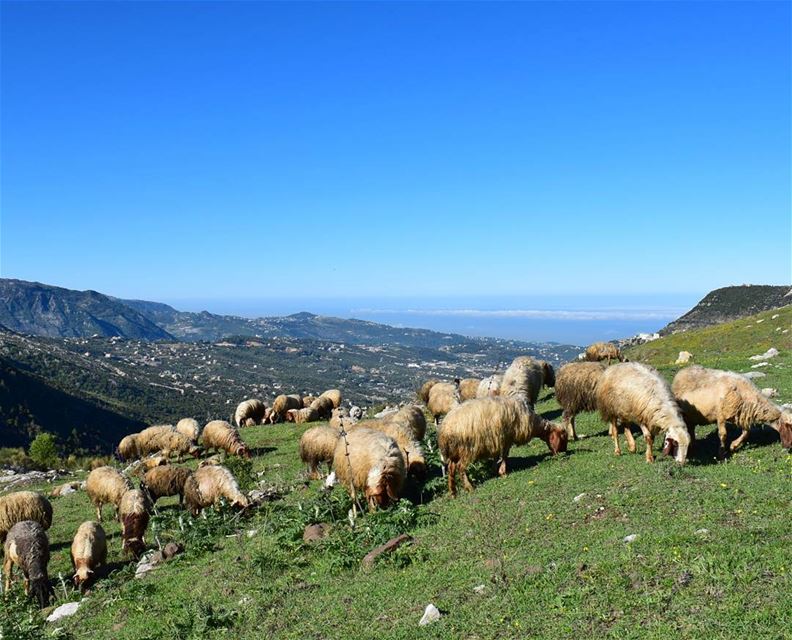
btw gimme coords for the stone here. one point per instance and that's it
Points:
(684, 357)
(752, 375)
(172, 549)
(479, 589)
(315, 532)
(390, 546)
(631, 538)
(431, 614)
(578, 497)
(772, 352)
(63, 611)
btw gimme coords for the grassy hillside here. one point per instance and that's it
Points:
(540, 553)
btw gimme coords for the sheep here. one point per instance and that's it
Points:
(603, 351)
(155, 431)
(323, 406)
(576, 390)
(301, 416)
(218, 434)
(189, 427)
(27, 547)
(443, 396)
(168, 443)
(334, 395)
(489, 386)
(281, 405)
(629, 393)
(525, 377)
(128, 447)
(106, 485)
(426, 387)
(339, 416)
(411, 417)
(487, 428)
(468, 387)
(165, 481)
(307, 400)
(710, 395)
(409, 446)
(88, 552)
(208, 485)
(23, 505)
(252, 410)
(66, 488)
(318, 445)
(369, 461)
(133, 512)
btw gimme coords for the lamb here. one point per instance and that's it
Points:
(88, 553)
(165, 481)
(189, 427)
(525, 377)
(106, 485)
(27, 547)
(301, 416)
(281, 405)
(411, 417)
(369, 461)
(323, 406)
(133, 512)
(576, 390)
(250, 412)
(443, 396)
(630, 393)
(489, 386)
(487, 428)
(208, 485)
(468, 388)
(218, 434)
(426, 387)
(168, 443)
(318, 445)
(334, 395)
(23, 505)
(604, 351)
(709, 395)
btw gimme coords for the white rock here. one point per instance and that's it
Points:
(63, 611)
(684, 357)
(769, 392)
(479, 589)
(772, 352)
(330, 480)
(760, 364)
(145, 564)
(751, 375)
(760, 321)
(578, 497)
(773, 317)
(431, 614)
(702, 532)
(631, 538)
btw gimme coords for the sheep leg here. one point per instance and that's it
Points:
(502, 467)
(569, 420)
(465, 480)
(739, 441)
(722, 452)
(649, 438)
(451, 478)
(614, 431)
(99, 512)
(629, 437)
(8, 568)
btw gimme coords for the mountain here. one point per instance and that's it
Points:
(43, 310)
(730, 303)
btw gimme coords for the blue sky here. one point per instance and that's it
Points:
(247, 150)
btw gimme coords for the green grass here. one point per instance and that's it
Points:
(550, 567)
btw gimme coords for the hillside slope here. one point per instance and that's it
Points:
(730, 303)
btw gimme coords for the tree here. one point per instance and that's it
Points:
(43, 450)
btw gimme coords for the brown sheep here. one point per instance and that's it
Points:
(576, 390)
(106, 485)
(218, 434)
(189, 427)
(468, 387)
(23, 505)
(318, 445)
(27, 547)
(525, 378)
(307, 400)
(301, 416)
(487, 428)
(252, 411)
(323, 406)
(710, 395)
(133, 512)
(88, 553)
(411, 417)
(426, 387)
(208, 485)
(168, 443)
(369, 461)
(604, 351)
(165, 481)
(633, 393)
(443, 396)
(281, 405)
(334, 395)
(128, 448)
(489, 386)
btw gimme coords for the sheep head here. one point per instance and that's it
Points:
(548, 374)
(41, 590)
(556, 439)
(785, 429)
(81, 577)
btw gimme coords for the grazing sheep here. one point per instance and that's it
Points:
(165, 481)
(339, 416)
(632, 393)
(281, 405)
(27, 547)
(409, 446)
(334, 395)
(250, 410)
(426, 387)
(603, 351)
(525, 377)
(106, 485)
(88, 553)
(411, 417)
(468, 387)
(168, 443)
(301, 416)
(133, 513)
(323, 406)
(443, 396)
(318, 445)
(576, 390)
(307, 400)
(709, 395)
(23, 505)
(487, 428)
(218, 434)
(489, 386)
(216, 459)
(208, 485)
(369, 461)
(128, 448)
(189, 427)
(156, 431)
(66, 488)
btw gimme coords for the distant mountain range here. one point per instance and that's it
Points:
(730, 303)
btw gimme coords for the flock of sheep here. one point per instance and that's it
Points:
(372, 458)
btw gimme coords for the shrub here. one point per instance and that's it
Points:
(43, 451)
